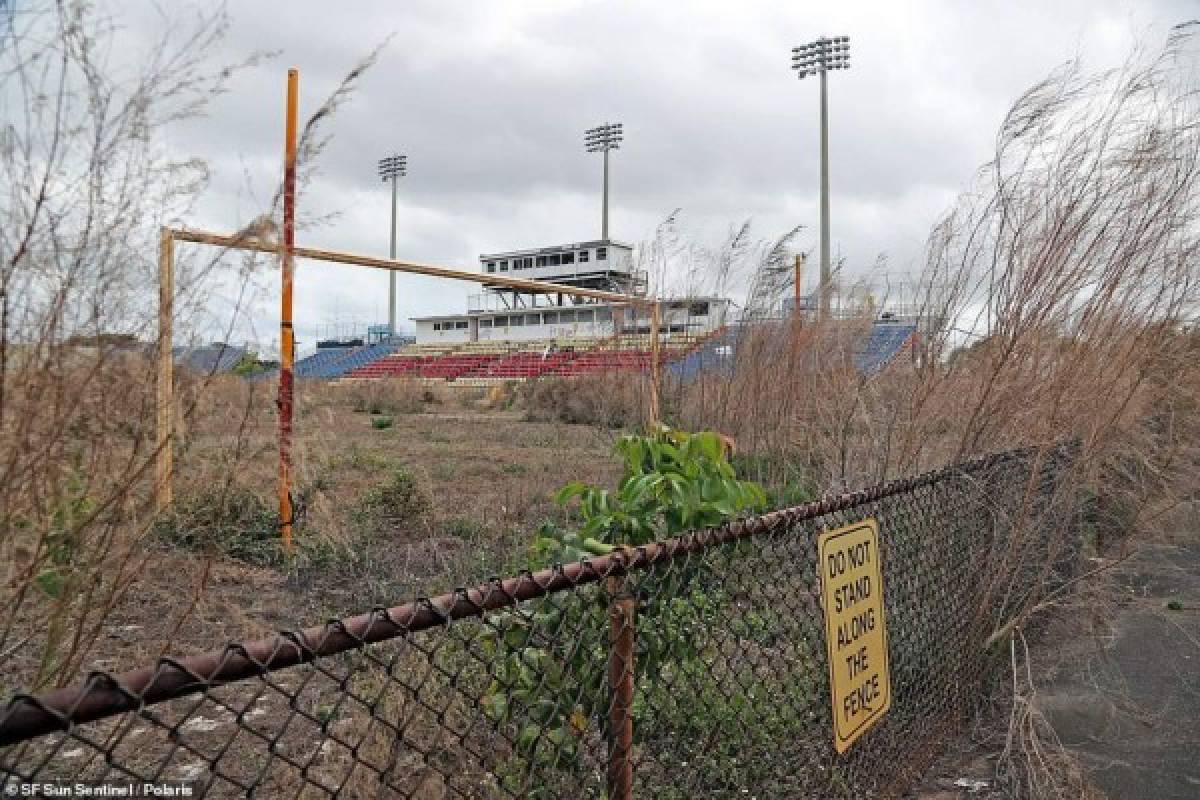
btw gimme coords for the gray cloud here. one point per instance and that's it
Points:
(490, 100)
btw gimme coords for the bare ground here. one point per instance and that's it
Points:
(1118, 680)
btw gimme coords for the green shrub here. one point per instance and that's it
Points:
(248, 365)
(466, 528)
(606, 401)
(551, 692)
(399, 497)
(235, 522)
(380, 423)
(61, 539)
(673, 482)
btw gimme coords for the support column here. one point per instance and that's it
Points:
(165, 386)
(655, 371)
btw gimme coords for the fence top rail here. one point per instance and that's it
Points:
(103, 695)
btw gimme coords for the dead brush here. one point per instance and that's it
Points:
(389, 396)
(87, 184)
(607, 400)
(1060, 304)
(1033, 762)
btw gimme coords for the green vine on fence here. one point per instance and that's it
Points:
(548, 685)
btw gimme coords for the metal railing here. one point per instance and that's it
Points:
(691, 667)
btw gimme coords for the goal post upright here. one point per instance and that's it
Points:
(164, 404)
(287, 339)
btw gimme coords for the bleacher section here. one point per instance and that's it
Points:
(481, 364)
(210, 358)
(310, 367)
(484, 363)
(336, 362)
(887, 340)
(716, 353)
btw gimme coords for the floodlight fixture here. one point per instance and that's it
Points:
(394, 166)
(820, 56)
(603, 138)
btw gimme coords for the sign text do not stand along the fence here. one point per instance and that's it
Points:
(855, 629)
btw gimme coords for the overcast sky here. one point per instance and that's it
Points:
(489, 101)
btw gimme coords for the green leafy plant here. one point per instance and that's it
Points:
(673, 482)
(248, 365)
(236, 522)
(61, 540)
(550, 661)
(398, 498)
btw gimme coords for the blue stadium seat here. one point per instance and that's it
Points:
(882, 346)
(336, 362)
(715, 354)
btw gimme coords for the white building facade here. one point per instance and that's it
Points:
(505, 315)
(692, 316)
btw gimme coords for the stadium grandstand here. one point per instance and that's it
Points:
(516, 335)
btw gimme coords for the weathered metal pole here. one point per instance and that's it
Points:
(799, 283)
(620, 682)
(604, 211)
(287, 353)
(826, 271)
(392, 256)
(655, 374)
(165, 387)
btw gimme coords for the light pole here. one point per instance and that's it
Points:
(392, 169)
(602, 139)
(817, 58)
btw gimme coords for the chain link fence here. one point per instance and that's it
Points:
(692, 667)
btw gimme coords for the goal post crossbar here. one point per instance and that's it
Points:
(169, 236)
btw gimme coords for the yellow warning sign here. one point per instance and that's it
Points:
(855, 631)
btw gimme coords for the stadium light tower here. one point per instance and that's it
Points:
(817, 58)
(392, 169)
(601, 139)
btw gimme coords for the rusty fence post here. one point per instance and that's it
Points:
(622, 618)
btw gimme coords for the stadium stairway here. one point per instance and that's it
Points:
(713, 353)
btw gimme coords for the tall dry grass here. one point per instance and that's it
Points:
(89, 177)
(1060, 304)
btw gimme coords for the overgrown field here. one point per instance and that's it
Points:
(404, 492)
